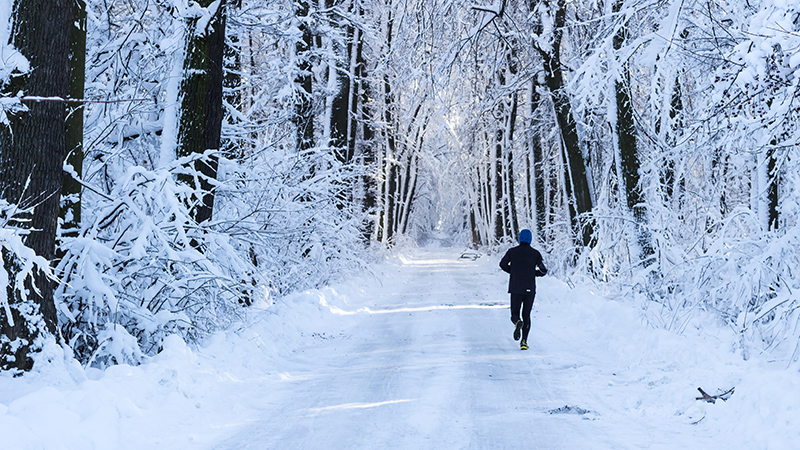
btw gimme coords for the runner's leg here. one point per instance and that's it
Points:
(527, 306)
(516, 303)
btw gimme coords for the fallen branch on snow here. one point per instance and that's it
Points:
(713, 398)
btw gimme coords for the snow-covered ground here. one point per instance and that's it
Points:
(418, 355)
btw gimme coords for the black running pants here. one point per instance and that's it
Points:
(524, 301)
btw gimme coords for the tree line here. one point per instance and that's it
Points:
(165, 163)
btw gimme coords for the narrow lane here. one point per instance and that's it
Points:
(427, 362)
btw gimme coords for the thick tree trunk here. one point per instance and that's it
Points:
(32, 152)
(200, 123)
(370, 178)
(340, 109)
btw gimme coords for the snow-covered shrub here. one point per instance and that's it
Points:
(141, 268)
(289, 223)
(18, 266)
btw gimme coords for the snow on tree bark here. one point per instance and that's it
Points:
(200, 122)
(32, 151)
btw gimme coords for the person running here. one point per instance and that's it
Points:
(523, 263)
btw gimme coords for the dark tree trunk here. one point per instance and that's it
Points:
(473, 226)
(540, 208)
(201, 112)
(629, 155)
(389, 165)
(32, 152)
(340, 107)
(368, 147)
(497, 161)
(575, 169)
(304, 108)
(772, 189)
(390, 203)
(511, 197)
(355, 55)
(71, 190)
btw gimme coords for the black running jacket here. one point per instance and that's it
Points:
(524, 263)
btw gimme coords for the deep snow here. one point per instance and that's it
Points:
(417, 355)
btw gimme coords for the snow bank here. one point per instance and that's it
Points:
(181, 398)
(654, 374)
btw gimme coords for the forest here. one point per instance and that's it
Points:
(164, 164)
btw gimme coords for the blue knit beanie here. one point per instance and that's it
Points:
(525, 236)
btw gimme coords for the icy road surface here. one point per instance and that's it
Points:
(423, 358)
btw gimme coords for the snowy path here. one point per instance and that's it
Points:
(427, 361)
(418, 356)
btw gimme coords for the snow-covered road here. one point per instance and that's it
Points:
(427, 361)
(416, 355)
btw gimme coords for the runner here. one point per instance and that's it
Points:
(523, 263)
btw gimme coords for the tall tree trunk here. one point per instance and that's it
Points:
(32, 152)
(497, 186)
(355, 57)
(390, 202)
(672, 185)
(629, 155)
(71, 190)
(368, 148)
(511, 196)
(233, 92)
(342, 99)
(200, 122)
(304, 108)
(540, 208)
(390, 165)
(576, 178)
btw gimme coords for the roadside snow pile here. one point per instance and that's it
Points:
(621, 366)
(181, 398)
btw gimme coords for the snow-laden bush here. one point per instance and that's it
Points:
(141, 268)
(747, 279)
